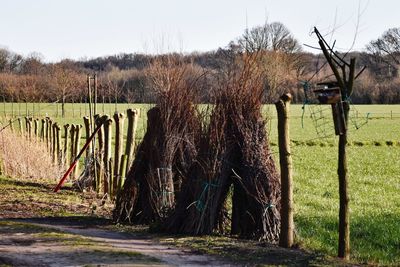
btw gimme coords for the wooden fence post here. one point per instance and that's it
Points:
(26, 127)
(119, 119)
(36, 129)
(53, 142)
(100, 156)
(122, 171)
(78, 132)
(72, 144)
(43, 130)
(86, 122)
(50, 133)
(58, 144)
(285, 160)
(11, 125)
(107, 154)
(20, 126)
(65, 159)
(133, 116)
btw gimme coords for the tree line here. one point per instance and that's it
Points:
(126, 77)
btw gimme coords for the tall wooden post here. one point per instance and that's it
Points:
(58, 144)
(20, 126)
(65, 158)
(88, 127)
(119, 137)
(78, 133)
(36, 129)
(107, 154)
(54, 142)
(133, 116)
(100, 156)
(72, 144)
(285, 160)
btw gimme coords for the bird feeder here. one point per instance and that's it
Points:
(330, 93)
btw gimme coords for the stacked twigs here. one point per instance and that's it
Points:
(168, 147)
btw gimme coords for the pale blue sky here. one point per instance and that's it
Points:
(89, 28)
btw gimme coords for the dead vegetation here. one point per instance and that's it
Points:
(205, 157)
(24, 158)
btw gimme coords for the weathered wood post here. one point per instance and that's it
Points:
(65, 158)
(54, 142)
(107, 154)
(110, 168)
(122, 172)
(100, 156)
(11, 122)
(50, 134)
(72, 145)
(119, 119)
(133, 116)
(20, 126)
(58, 144)
(43, 130)
(285, 159)
(36, 129)
(26, 127)
(78, 133)
(88, 127)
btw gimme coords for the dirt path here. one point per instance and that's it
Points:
(40, 243)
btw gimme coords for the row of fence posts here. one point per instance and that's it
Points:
(107, 166)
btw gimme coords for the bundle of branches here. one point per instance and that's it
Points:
(168, 148)
(234, 153)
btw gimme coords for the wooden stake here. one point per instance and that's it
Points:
(133, 116)
(119, 119)
(285, 159)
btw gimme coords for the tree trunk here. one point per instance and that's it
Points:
(344, 218)
(285, 160)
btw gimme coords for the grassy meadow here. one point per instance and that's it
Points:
(374, 171)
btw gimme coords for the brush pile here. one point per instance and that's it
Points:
(229, 180)
(168, 148)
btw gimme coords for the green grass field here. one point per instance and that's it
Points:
(374, 167)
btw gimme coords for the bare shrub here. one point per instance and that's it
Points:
(22, 158)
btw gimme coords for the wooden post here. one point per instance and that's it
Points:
(43, 130)
(54, 142)
(107, 154)
(11, 122)
(72, 144)
(78, 133)
(119, 137)
(50, 127)
(27, 127)
(100, 156)
(133, 116)
(20, 126)
(110, 168)
(36, 129)
(65, 158)
(285, 160)
(88, 127)
(58, 144)
(30, 131)
(122, 171)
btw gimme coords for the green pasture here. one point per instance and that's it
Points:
(374, 167)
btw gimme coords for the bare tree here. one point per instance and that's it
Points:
(65, 81)
(386, 51)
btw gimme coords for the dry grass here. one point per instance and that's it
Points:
(22, 158)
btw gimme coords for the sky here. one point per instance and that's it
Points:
(83, 29)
